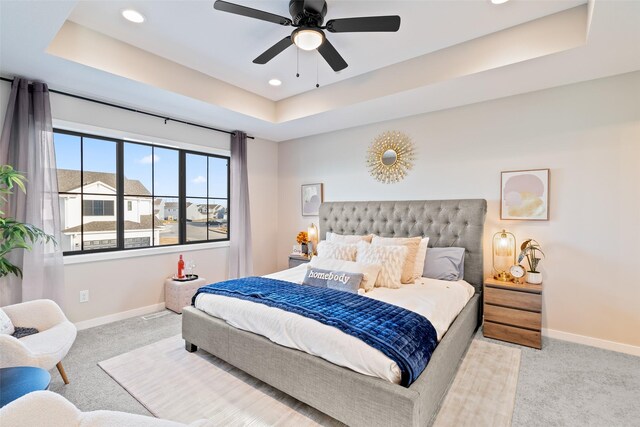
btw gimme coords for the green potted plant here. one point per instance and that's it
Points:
(530, 249)
(15, 234)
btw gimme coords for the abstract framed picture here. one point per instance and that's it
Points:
(311, 199)
(524, 195)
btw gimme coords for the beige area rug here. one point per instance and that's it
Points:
(177, 385)
(483, 392)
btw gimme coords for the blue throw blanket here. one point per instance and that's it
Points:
(405, 337)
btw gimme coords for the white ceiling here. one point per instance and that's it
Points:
(204, 49)
(223, 45)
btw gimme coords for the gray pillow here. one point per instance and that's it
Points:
(444, 264)
(339, 280)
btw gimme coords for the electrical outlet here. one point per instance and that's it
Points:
(84, 296)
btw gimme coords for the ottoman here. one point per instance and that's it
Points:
(178, 294)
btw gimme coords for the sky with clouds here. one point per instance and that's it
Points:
(142, 162)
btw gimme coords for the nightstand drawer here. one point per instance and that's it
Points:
(512, 334)
(515, 299)
(510, 316)
(294, 262)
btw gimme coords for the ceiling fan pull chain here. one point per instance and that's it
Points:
(317, 78)
(297, 61)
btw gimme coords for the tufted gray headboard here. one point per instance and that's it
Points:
(457, 223)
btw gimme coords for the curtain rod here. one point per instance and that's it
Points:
(122, 107)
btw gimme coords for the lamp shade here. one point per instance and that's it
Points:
(504, 254)
(312, 232)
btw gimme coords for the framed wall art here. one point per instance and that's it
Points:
(524, 195)
(311, 198)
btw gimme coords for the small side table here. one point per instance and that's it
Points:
(513, 312)
(296, 260)
(178, 295)
(21, 380)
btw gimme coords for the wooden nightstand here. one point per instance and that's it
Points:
(513, 312)
(296, 260)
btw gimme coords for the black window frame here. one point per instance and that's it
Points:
(121, 196)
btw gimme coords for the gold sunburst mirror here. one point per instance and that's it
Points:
(390, 157)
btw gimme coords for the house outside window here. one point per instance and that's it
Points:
(98, 175)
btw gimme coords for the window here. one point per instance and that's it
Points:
(98, 207)
(117, 194)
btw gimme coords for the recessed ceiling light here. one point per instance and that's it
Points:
(499, 1)
(275, 82)
(133, 16)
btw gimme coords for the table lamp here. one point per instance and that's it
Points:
(504, 255)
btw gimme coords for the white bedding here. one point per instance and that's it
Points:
(438, 300)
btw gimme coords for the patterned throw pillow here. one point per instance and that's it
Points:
(391, 258)
(351, 239)
(412, 244)
(337, 251)
(6, 326)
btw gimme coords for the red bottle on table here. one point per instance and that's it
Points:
(180, 268)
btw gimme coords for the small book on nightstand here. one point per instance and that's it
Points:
(513, 312)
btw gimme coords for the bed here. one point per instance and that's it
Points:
(349, 396)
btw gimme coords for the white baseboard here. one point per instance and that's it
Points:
(141, 311)
(593, 342)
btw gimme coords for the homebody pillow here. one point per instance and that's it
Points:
(369, 271)
(339, 280)
(391, 258)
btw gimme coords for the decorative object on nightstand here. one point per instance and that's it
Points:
(517, 272)
(178, 293)
(513, 312)
(504, 255)
(296, 260)
(303, 238)
(529, 250)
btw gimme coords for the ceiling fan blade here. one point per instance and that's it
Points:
(331, 55)
(314, 5)
(273, 51)
(251, 13)
(365, 24)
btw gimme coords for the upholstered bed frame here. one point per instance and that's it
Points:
(353, 398)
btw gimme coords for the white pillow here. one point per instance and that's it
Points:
(6, 326)
(350, 239)
(421, 256)
(391, 258)
(412, 244)
(370, 271)
(335, 250)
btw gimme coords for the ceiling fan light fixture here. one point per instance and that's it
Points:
(307, 38)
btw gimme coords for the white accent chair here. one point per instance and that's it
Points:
(45, 408)
(45, 349)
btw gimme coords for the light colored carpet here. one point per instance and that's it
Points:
(181, 386)
(483, 392)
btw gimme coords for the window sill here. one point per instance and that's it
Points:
(108, 256)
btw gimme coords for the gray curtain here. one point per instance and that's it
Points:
(27, 145)
(240, 257)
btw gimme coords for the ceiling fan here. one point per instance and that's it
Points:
(308, 17)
